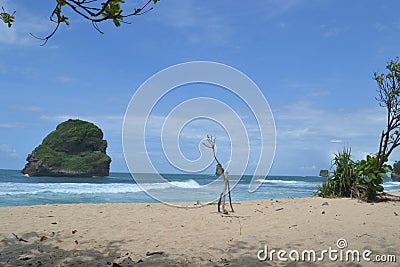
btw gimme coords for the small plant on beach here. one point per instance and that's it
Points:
(370, 178)
(344, 175)
(343, 178)
(359, 179)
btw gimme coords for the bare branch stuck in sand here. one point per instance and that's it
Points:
(220, 171)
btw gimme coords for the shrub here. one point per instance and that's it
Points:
(361, 179)
(343, 178)
(370, 178)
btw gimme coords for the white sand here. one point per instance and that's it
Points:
(106, 234)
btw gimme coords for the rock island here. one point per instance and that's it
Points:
(75, 149)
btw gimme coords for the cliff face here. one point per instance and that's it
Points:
(395, 177)
(76, 148)
(324, 173)
(396, 172)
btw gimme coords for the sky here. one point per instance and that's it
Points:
(313, 61)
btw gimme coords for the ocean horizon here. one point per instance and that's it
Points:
(17, 189)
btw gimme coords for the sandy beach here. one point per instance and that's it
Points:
(160, 235)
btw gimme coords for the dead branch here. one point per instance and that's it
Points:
(220, 171)
(19, 238)
(387, 197)
(235, 216)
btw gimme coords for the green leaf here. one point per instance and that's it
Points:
(7, 18)
(379, 188)
(370, 177)
(116, 23)
(61, 2)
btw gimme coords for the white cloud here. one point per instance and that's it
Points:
(313, 167)
(63, 79)
(296, 133)
(10, 125)
(112, 123)
(31, 108)
(17, 35)
(380, 27)
(57, 118)
(197, 23)
(8, 151)
(3, 69)
(333, 124)
(182, 137)
(277, 8)
(332, 31)
(308, 136)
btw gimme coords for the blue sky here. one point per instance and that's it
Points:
(313, 61)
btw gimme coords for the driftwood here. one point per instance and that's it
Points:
(235, 216)
(222, 197)
(220, 171)
(383, 196)
(360, 192)
(19, 238)
(154, 253)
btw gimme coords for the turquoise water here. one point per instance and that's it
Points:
(19, 190)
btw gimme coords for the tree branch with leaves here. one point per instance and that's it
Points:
(389, 98)
(94, 11)
(7, 18)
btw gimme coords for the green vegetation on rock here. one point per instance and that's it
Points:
(75, 148)
(75, 136)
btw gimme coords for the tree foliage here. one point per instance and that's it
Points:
(389, 98)
(370, 178)
(7, 18)
(94, 11)
(363, 179)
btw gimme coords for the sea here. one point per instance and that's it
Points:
(17, 189)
